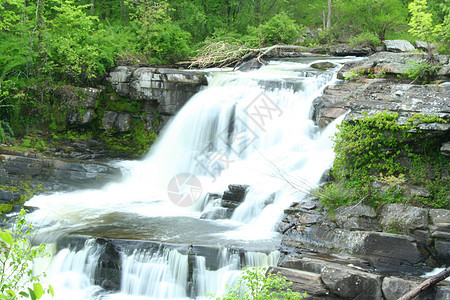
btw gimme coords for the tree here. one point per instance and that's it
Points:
(421, 21)
(378, 16)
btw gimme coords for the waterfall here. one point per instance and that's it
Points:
(250, 128)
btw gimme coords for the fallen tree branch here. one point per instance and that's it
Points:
(231, 53)
(426, 284)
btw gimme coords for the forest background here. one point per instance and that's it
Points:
(49, 43)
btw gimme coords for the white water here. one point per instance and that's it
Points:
(245, 128)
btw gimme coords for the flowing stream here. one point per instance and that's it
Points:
(150, 237)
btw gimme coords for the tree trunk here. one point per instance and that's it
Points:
(329, 15)
(92, 7)
(426, 284)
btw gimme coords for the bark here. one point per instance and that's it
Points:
(329, 15)
(426, 284)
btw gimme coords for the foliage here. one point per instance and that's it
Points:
(255, 284)
(366, 39)
(377, 16)
(16, 258)
(280, 29)
(421, 21)
(421, 71)
(368, 165)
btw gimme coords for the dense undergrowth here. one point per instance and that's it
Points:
(378, 159)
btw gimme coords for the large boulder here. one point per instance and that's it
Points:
(398, 46)
(166, 89)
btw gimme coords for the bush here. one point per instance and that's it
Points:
(168, 44)
(366, 39)
(280, 29)
(255, 284)
(16, 258)
(370, 163)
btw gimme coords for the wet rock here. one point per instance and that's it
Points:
(323, 65)
(43, 170)
(398, 46)
(252, 64)
(234, 195)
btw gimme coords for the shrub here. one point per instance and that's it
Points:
(366, 39)
(370, 163)
(255, 284)
(280, 29)
(16, 258)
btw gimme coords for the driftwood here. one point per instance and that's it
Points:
(231, 53)
(426, 284)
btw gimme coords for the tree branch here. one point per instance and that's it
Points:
(426, 284)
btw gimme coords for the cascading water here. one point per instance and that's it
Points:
(250, 128)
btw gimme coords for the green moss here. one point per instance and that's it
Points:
(376, 157)
(5, 208)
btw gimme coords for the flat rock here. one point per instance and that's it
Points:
(302, 281)
(353, 284)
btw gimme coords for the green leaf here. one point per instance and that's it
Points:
(51, 291)
(32, 294)
(38, 290)
(7, 238)
(23, 294)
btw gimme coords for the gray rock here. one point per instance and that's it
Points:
(404, 217)
(346, 50)
(442, 250)
(359, 217)
(442, 293)
(394, 288)
(302, 281)
(438, 216)
(323, 65)
(424, 46)
(252, 64)
(122, 122)
(391, 251)
(445, 149)
(109, 120)
(353, 284)
(398, 46)
(168, 88)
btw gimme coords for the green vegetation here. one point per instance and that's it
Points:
(376, 158)
(16, 258)
(49, 46)
(255, 284)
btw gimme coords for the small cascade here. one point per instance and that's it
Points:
(162, 274)
(73, 271)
